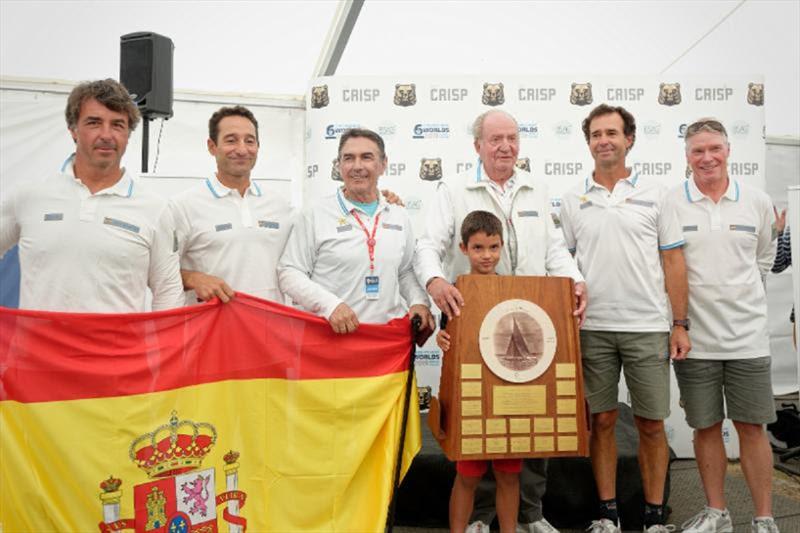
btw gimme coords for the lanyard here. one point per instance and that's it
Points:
(370, 238)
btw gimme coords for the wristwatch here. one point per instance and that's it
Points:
(685, 323)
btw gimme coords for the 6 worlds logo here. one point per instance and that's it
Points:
(179, 498)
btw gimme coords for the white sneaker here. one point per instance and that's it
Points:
(709, 521)
(660, 528)
(604, 525)
(540, 526)
(764, 525)
(477, 527)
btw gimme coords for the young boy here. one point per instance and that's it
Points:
(482, 242)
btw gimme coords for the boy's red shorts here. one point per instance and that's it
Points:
(471, 468)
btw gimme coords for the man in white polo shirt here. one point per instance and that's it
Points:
(91, 238)
(231, 231)
(350, 257)
(534, 247)
(730, 248)
(628, 245)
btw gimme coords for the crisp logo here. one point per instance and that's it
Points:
(319, 96)
(563, 168)
(360, 95)
(441, 94)
(743, 169)
(628, 94)
(653, 168)
(713, 94)
(536, 94)
(395, 169)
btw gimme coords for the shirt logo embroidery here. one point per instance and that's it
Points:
(53, 216)
(346, 227)
(268, 224)
(528, 213)
(121, 224)
(690, 228)
(587, 203)
(223, 227)
(396, 227)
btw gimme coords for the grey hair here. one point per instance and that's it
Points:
(704, 124)
(477, 126)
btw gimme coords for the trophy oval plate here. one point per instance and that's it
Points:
(517, 340)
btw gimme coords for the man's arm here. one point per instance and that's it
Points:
(164, 278)
(678, 292)
(767, 242)
(410, 289)
(294, 277)
(783, 257)
(431, 250)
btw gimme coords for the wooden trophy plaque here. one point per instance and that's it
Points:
(512, 383)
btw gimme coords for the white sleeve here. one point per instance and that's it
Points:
(410, 288)
(164, 275)
(9, 226)
(297, 265)
(566, 223)
(437, 237)
(559, 262)
(182, 227)
(767, 242)
(670, 232)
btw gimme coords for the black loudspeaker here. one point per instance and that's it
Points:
(145, 69)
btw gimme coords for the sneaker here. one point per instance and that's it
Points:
(764, 525)
(709, 521)
(659, 528)
(477, 527)
(540, 526)
(604, 525)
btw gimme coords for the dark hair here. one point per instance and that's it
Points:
(628, 122)
(222, 112)
(111, 93)
(478, 221)
(362, 132)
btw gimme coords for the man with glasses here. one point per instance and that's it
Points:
(729, 249)
(534, 247)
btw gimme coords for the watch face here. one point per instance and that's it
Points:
(517, 341)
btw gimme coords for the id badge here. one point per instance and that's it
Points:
(372, 286)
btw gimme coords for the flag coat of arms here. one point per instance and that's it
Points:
(243, 416)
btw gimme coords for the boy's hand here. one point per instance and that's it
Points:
(443, 340)
(581, 298)
(446, 297)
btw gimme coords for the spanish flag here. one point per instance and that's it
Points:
(219, 417)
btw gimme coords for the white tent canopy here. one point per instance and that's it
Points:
(273, 47)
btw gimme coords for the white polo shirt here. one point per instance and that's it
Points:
(83, 252)
(236, 238)
(729, 250)
(616, 237)
(326, 261)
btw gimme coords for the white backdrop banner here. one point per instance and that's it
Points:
(426, 123)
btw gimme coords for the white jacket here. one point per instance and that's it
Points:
(540, 244)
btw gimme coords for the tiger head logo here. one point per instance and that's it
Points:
(405, 94)
(319, 96)
(755, 93)
(523, 163)
(335, 174)
(493, 94)
(430, 169)
(581, 94)
(669, 94)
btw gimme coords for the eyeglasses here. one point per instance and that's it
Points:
(705, 124)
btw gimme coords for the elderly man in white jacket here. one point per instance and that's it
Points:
(534, 247)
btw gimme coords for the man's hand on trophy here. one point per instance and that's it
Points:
(581, 299)
(446, 297)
